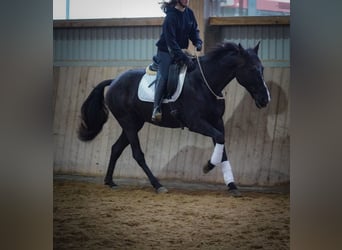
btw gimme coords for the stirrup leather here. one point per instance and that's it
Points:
(156, 115)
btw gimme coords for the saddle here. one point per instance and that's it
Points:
(174, 85)
(174, 71)
(172, 81)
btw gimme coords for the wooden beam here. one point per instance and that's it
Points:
(198, 9)
(82, 23)
(249, 20)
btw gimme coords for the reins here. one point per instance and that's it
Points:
(205, 80)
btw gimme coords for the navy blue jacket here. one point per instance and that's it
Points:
(178, 28)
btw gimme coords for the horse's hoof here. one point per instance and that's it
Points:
(235, 193)
(111, 185)
(162, 190)
(208, 167)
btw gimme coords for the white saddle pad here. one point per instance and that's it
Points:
(146, 93)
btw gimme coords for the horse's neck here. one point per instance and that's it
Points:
(218, 76)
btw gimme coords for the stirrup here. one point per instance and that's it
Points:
(156, 115)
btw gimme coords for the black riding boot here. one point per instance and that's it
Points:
(158, 98)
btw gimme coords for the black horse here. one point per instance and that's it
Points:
(200, 106)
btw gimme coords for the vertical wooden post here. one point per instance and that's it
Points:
(198, 8)
(209, 34)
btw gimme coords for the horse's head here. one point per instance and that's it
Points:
(250, 75)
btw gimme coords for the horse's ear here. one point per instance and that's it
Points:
(241, 49)
(256, 48)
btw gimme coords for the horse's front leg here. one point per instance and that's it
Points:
(219, 155)
(211, 165)
(227, 172)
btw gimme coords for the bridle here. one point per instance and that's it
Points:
(205, 80)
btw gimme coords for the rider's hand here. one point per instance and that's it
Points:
(190, 65)
(198, 47)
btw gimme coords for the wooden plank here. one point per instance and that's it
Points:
(81, 146)
(265, 164)
(245, 125)
(233, 98)
(158, 148)
(111, 134)
(113, 128)
(198, 9)
(258, 141)
(157, 164)
(165, 156)
(256, 122)
(193, 161)
(276, 118)
(70, 133)
(63, 103)
(96, 143)
(146, 136)
(177, 143)
(81, 95)
(86, 148)
(93, 145)
(189, 156)
(236, 144)
(58, 114)
(284, 167)
(262, 146)
(100, 142)
(103, 159)
(229, 93)
(249, 20)
(174, 148)
(110, 22)
(280, 150)
(56, 75)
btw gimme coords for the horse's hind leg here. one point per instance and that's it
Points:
(138, 155)
(117, 149)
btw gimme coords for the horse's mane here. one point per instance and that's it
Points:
(221, 49)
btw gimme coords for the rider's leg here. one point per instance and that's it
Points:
(158, 98)
(164, 59)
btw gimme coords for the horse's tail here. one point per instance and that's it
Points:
(94, 113)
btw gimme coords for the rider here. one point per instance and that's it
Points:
(179, 26)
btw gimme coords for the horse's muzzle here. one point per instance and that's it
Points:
(262, 103)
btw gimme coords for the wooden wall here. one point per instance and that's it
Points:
(257, 140)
